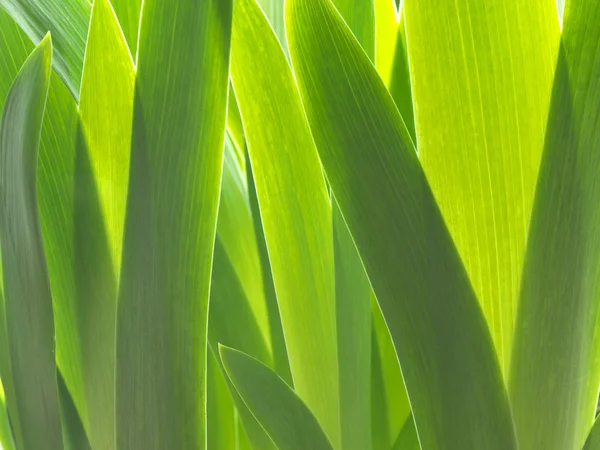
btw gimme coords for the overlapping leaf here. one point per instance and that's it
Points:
(295, 209)
(555, 370)
(440, 334)
(481, 80)
(28, 316)
(176, 161)
(67, 21)
(285, 417)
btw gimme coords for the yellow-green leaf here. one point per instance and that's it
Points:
(481, 79)
(439, 332)
(555, 370)
(281, 412)
(67, 21)
(100, 186)
(176, 161)
(295, 209)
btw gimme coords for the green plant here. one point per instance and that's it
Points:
(219, 231)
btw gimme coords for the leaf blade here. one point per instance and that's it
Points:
(171, 214)
(282, 413)
(556, 338)
(28, 301)
(295, 210)
(481, 80)
(383, 194)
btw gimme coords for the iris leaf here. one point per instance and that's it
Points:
(438, 329)
(28, 314)
(555, 371)
(481, 81)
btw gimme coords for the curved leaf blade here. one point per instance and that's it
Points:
(100, 190)
(281, 412)
(295, 209)
(481, 81)
(28, 300)
(555, 370)
(176, 162)
(593, 440)
(67, 21)
(353, 314)
(439, 332)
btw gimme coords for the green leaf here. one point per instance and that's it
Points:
(282, 413)
(295, 209)
(352, 288)
(235, 232)
(353, 312)
(232, 322)
(281, 363)
(6, 435)
(100, 187)
(360, 17)
(407, 438)
(400, 84)
(380, 427)
(176, 161)
(28, 300)
(555, 370)
(220, 418)
(74, 434)
(67, 21)
(439, 332)
(593, 440)
(386, 32)
(481, 82)
(274, 11)
(391, 401)
(128, 12)
(14, 50)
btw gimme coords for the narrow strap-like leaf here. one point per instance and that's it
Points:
(593, 440)
(220, 411)
(295, 209)
(439, 332)
(232, 322)
(352, 288)
(67, 21)
(399, 84)
(176, 162)
(235, 233)
(353, 312)
(100, 192)
(360, 18)
(386, 31)
(390, 402)
(281, 363)
(407, 438)
(28, 300)
(555, 370)
(6, 435)
(128, 12)
(74, 435)
(281, 412)
(481, 76)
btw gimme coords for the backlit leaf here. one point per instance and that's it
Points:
(295, 209)
(176, 162)
(281, 412)
(439, 332)
(27, 298)
(555, 370)
(481, 79)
